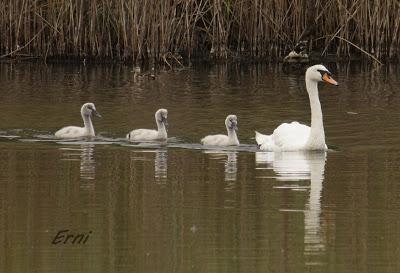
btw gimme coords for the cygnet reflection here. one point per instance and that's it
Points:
(161, 166)
(230, 162)
(140, 159)
(85, 154)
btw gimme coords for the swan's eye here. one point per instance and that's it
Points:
(323, 72)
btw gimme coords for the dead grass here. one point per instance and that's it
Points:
(133, 30)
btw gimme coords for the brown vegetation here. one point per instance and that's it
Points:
(162, 30)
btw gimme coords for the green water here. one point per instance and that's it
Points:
(181, 208)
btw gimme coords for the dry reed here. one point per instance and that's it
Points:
(163, 30)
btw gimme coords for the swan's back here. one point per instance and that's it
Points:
(143, 135)
(71, 132)
(217, 140)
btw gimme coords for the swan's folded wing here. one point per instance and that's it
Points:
(291, 136)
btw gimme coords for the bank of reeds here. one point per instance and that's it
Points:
(162, 30)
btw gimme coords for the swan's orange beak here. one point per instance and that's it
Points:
(328, 79)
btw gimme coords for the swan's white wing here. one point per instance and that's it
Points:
(287, 137)
(143, 135)
(291, 136)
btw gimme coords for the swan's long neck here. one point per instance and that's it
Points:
(232, 136)
(316, 140)
(162, 131)
(87, 121)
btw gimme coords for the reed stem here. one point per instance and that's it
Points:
(160, 31)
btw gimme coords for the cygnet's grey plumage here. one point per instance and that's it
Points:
(224, 140)
(161, 117)
(87, 110)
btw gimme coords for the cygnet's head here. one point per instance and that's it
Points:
(88, 109)
(320, 73)
(161, 116)
(231, 122)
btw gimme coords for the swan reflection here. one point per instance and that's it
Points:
(230, 162)
(299, 166)
(85, 154)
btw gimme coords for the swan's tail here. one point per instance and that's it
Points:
(261, 139)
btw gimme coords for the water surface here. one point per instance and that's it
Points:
(178, 207)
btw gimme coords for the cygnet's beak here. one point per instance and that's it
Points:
(327, 78)
(165, 121)
(97, 114)
(235, 126)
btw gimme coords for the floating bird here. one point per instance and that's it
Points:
(87, 110)
(295, 136)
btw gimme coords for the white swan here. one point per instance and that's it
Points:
(295, 136)
(87, 131)
(224, 140)
(151, 135)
